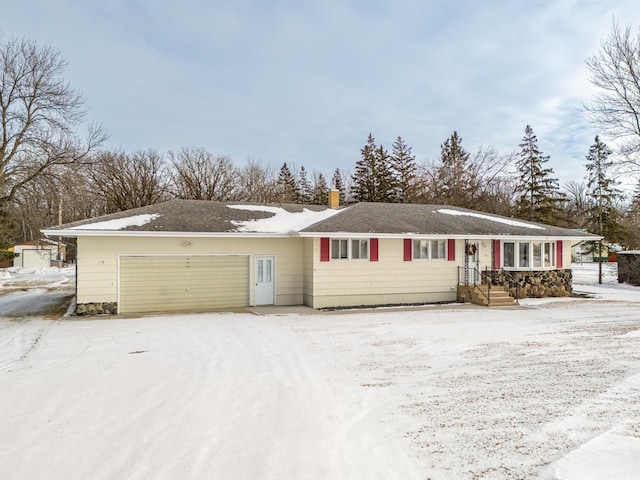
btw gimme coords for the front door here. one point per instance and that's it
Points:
(265, 273)
(473, 259)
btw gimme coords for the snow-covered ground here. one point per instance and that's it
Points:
(547, 390)
(28, 291)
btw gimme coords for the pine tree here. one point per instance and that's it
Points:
(602, 190)
(288, 191)
(403, 168)
(537, 192)
(337, 183)
(603, 216)
(631, 221)
(372, 180)
(320, 190)
(452, 176)
(304, 187)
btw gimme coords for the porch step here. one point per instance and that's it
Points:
(499, 296)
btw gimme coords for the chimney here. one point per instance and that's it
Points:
(334, 199)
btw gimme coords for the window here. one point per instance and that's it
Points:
(549, 254)
(524, 250)
(339, 249)
(433, 249)
(420, 249)
(537, 255)
(509, 255)
(529, 255)
(438, 249)
(359, 249)
(343, 249)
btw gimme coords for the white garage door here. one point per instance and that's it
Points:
(171, 283)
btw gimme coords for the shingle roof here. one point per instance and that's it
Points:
(188, 216)
(200, 216)
(394, 218)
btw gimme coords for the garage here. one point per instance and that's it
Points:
(149, 283)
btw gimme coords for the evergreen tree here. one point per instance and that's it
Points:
(631, 221)
(304, 187)
(338, 184)
(453, 180)
(320, 190)
(602, 190)
(537, 192)
(603, 216)
(372, 180)
(288, 191)
(404, 169)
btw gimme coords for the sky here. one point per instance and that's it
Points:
(306, 82)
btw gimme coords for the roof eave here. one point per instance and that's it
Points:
(75, 233)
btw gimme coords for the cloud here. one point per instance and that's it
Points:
(306, 83)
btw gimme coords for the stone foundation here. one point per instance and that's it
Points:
(629, 267)
(106, 308)
(534, 284)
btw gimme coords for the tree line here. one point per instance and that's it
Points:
(49, 173)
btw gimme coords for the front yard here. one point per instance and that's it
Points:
(547, 390)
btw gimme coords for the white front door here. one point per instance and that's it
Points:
(473, 255)
(265, 273)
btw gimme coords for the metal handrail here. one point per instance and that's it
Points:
(472, 276)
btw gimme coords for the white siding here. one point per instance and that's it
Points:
(390, 280)
(98, 261)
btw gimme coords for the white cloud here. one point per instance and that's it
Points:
(306, 83)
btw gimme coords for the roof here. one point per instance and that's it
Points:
(207, 218)
(444, 220)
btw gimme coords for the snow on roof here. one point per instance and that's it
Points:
(120, 223)
(506, 221)
(282, 221)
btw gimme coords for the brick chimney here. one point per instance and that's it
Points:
(334, 199)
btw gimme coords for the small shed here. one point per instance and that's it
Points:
(38, 254)
(629, 267)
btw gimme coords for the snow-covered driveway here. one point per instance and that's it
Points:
(548, 390)
(31, 291)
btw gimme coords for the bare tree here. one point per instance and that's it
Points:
(257, 184)
(38, 114)
(199, 175)
(488, 182)
(578, 204)
(127, 181)
(615, 70)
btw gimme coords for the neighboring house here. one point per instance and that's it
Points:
(38, 253)
(198, 255)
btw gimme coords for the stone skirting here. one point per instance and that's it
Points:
(534, 284)
(106, 308)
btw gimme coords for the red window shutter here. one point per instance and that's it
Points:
(451, 249)
(407, 249)
(559, 262)
(373, 249)
(496, 255)
(324, 249)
